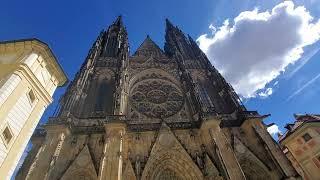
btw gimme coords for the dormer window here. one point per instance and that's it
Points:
(306, 137)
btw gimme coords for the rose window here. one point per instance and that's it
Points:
(156, 98)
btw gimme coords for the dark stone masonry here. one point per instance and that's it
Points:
(154, 115)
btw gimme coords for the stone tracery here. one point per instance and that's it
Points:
(156, 98)
(167, 174)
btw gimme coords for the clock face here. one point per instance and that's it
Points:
(156, 98)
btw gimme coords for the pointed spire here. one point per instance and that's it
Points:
(115, 39)
(176, 42)
(169, 25)
(118, 21)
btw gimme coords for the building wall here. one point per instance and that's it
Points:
(305, 155)
(26, 89)
(8, 87)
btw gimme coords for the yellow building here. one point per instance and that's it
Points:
(301, 144)
(29, 75)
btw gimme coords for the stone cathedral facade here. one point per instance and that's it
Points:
(154, 115)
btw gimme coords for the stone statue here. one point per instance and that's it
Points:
(138, 166)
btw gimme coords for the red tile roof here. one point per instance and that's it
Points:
(301, 119)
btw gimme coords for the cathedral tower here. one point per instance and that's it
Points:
(152, 115)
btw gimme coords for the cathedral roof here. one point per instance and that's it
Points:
(148, 47)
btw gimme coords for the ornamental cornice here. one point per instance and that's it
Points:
(37, 46)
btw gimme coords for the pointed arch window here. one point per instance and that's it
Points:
(100, 102)
(103, 95)
(205, 98)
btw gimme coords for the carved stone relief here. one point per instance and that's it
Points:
(167, 174)
(156, 98)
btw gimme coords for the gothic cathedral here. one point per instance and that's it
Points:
(153, 115)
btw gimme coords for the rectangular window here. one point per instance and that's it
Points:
(306, 137)
(7, 135)
(32, 97)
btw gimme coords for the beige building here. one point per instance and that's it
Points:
(301, 144)
(29, 75)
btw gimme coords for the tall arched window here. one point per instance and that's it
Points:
(104, 96)
(101, 96)
(205, 98)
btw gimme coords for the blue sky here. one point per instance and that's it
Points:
(70, 27)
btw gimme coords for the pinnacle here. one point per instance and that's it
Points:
(171, 27)
(169, 24)
(118, 21)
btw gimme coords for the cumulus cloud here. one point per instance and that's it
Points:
(257, 46)
(273, 130)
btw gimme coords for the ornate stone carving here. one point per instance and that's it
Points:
(156, 98)
(168, 174)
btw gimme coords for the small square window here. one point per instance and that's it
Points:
(7, 135)
(306, 137)
(32, 97)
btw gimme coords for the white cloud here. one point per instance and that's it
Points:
(258, 46)
(273, 130)
(265, 93)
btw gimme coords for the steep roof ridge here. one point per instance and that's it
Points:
(148, 45)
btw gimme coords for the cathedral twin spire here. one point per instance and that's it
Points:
(111, 51)
(177, 42)
(155, 115)
(115, 39)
